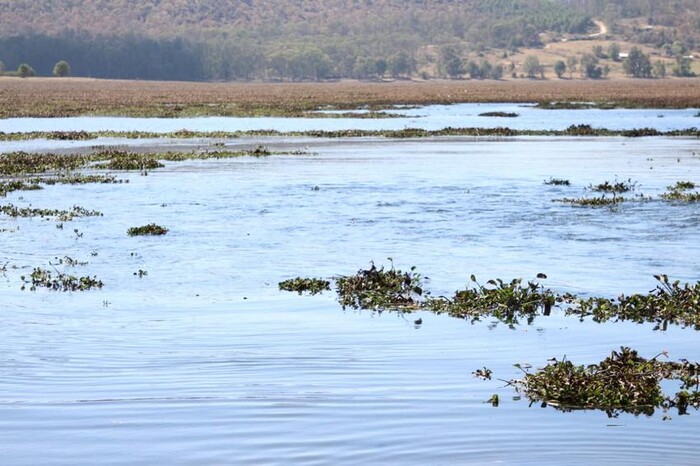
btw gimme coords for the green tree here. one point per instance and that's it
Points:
(474, 70)
(532, 67)
(455, 67)
(598, 51)
(682, 68)
(497, 72)
(637, 64)
(589, 67)
(614, 51)
(61, 69)
(401, 64)
(560, 68)
(25, 71)
(659, 70)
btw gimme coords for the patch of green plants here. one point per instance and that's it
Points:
(499, 114)
(309, 285)
(592, 201)
(510, 302)
(557, 182)
(679, 192)
(60, 282)
(506, 301)
(668, 303)
(20, 163)
(623, 382)
(616, 187)
(151, 229)
(17, 185)
(380, 289)
(61, 215)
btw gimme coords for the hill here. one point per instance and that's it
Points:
(313, 40)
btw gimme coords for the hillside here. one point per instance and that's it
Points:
(314, 40)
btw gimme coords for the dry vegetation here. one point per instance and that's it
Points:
(39, 97)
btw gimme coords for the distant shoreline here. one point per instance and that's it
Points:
(63, 97)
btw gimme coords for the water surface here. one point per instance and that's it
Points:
(204, 361)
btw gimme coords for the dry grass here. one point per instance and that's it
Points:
(79, 96)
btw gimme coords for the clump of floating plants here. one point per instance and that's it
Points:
(668, 303)
(623, 382)
(60, 282)
(499, 114)
(615, 188)
(506, 301)
(61, 215)
(557, 182)
(379, 289)
(151, 229)
(679, 192)
(309, 285)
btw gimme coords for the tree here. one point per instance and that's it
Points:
(401, 64)
(474, 70)
(571, 64)
(682, 68)
(598, 51)
(532, 67)
(614, 51)
(497, 72)
(25, 70)
(61, 69)
(589, 67)
(637, 64)
(659, 70)
(454, 67)
(560, 68)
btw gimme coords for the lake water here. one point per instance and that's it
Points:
(204, 361)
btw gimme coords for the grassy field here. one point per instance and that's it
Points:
(55, 97)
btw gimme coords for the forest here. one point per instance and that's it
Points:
(222, 40)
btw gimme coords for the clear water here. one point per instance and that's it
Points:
(430, 118)
(204, 361)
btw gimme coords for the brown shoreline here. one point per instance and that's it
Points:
(51, 97)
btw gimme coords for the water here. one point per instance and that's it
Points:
(204, 361)
(432, 117)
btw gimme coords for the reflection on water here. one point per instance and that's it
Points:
(203, 361)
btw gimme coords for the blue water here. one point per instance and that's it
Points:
(204, 361)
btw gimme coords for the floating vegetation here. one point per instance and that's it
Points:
(310, 285)
(130, 161)
(616, 187)
(565, 105)
(499, 114)
(592, 201)
(573, 130)
(147, 230)
(61, 282)
(506, 301)
(678, 192)
(557, 182)
(668, 303)
(69, 261)
(379, 289)
(17, 185)
(61, 215)
(624, 382)
(20, 163)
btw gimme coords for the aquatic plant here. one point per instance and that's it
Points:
(668, 303)
(506, 301)
(557, 182)
(17, 185)
(499, 114)
(61, 282)
(616, 187)
(592, 201)
(622, 382)
(151, 229)
(310, 285)
(380, 289)
(678, 192)
(61, 215)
